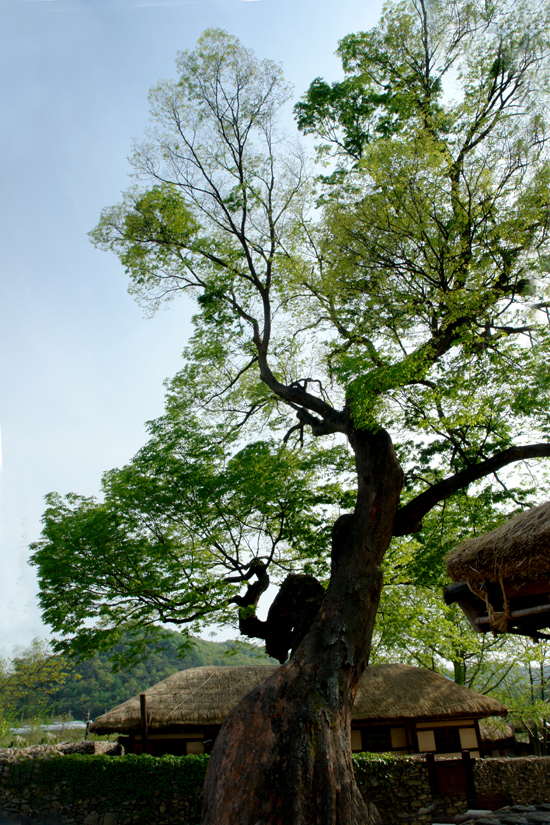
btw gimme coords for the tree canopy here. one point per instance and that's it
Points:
(404, 288)
(30, 679)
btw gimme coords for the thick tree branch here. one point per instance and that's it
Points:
(333, 421)
(318, 427)
(409, 518)
(249, 624)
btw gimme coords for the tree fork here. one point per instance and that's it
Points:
(283, 755)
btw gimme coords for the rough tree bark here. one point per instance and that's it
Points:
(283, 756)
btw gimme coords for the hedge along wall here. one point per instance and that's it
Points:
(128, 790)
(103, 790)
(137, 790)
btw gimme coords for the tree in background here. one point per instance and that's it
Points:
(413, 623)
(409, 302)
(28, 681)
(415, 627)
(525, 692)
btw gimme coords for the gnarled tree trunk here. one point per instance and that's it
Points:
(283, 756)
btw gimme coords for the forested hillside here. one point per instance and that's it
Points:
(92, 686)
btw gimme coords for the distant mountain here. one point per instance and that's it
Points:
(93, 686)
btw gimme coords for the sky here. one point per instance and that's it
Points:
(81, 368)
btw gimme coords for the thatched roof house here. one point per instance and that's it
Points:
(497, 737)
(502, 578)
(397, 707)
(518, 551)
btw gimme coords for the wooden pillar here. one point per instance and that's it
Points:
(432, 774)
(469, 768)
(144, 723)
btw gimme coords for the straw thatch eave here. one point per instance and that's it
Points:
(197, 696)
(492, 731)
(204, 696)
(395, 692)
(517, 551)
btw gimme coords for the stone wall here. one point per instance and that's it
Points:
(63, 804)
(525, 779)
(500, 781)
(400, 790)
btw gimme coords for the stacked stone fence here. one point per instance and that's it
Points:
(525, 779)
(405, 795)
(93, 784)
(400, 789)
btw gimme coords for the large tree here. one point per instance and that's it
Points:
(405, 291)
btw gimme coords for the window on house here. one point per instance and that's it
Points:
(376, 739)
(447, 740)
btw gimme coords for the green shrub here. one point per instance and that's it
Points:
(379, 766)
(117, 778)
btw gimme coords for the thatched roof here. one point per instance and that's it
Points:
(518, 551)
(205, 695)
(197, 696)
(495, 730)
(399, 692)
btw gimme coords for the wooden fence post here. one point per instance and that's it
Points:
(144, 722)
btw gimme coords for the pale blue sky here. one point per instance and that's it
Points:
(81, 369)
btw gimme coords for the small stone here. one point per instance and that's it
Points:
(428, 810)
(110, 818)
(511, 819)
(91, 818)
